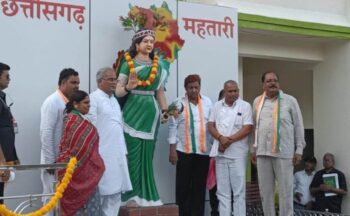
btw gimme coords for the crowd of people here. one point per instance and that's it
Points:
(115, 147)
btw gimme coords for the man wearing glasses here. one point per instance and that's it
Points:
(106, 115)
(7, 132)
(279, 144)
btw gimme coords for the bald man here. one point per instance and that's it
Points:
(230, 123)
(328, 196)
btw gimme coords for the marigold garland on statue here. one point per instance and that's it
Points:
(53, 201)
(151, 76)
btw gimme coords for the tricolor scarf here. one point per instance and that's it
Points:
(276, 121)
(189, 122)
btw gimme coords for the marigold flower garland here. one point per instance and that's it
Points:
(152, 75)
(53, 201)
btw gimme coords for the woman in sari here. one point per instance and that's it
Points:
(80, 140)
(141, 78)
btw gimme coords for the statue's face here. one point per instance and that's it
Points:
(146, 45)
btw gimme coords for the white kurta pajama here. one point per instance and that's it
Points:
(51, 128)
(231, 164)
(106, 115)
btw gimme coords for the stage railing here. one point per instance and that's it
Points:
(32, 198)
(254, 206)
(256, 210)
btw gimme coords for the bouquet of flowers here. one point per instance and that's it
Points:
(173, 110)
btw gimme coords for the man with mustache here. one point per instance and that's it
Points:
(279, 144)
(106, 115)
(51, 125)
(189, 141)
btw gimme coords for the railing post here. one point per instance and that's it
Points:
(56, 211)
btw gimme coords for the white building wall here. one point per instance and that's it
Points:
(37, 50)
(326, 6)
(279, 46)
(331, 109)
(324, 11)
(240, 76)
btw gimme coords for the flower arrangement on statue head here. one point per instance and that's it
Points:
(161, 21)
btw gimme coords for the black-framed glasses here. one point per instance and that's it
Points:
(110, 79)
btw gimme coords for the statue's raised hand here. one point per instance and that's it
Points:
(132, 83)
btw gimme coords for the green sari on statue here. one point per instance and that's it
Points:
(141, 115)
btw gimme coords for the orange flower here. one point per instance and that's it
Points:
(131, 64)
(128, 58)
(152, 75)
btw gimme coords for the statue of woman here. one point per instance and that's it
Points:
(141, 78)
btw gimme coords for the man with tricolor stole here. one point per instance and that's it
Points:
(279, 143)
(189, 148)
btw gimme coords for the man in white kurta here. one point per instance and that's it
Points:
(230, 123)
(106, 115)
(51, 125)
(301, 187)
